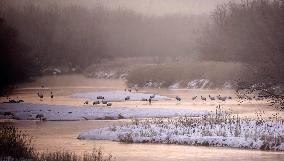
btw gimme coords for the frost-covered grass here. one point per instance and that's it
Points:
(25, 111)
(208, 130)
(118, 96)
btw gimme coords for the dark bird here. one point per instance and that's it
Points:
(40, 95)
(100, 97)
(51, 95)
(150, 101)
(39, 116)
(222, 98)
(96, 103)
(212, 98)
(178, 98)
(153, 96)
(19, 101)
(86, 102)
(203, 98)
(193, 98)
(127, 98)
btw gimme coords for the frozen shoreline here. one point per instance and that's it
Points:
(25, 111)
(118, 96)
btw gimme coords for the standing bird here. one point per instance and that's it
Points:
(40, 95)
(212, 98)
(153, 96)
(127, 98)
(100, 97)
(51, 95)
(203, 98)
(222, 98)
(96, 102)
(178, 98)
(40, 117)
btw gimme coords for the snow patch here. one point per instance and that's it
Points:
(175, 86)
(198, 83)
(26, 111)
(118, 96)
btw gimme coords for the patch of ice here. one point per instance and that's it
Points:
(26, 111)
(175, 86)
(118, 96)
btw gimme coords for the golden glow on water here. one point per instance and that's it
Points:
(62, 135)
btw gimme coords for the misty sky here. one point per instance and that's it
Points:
(148, 7)
(164, 7)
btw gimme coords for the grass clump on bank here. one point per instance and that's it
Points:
(15, 145)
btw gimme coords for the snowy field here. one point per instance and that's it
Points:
(24, 111)
(118, 96)
(214, 130)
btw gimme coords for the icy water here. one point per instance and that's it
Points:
(62, 135)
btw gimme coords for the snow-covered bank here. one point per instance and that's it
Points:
(118, 96)
(208, 131)
(61, 112)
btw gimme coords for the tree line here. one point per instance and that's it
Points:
(74, 36)
(250, 32)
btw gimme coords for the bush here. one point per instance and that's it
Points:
(14, 143)
(96, 155)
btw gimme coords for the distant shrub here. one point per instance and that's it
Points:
(168, 74)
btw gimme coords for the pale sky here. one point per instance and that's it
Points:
(163, 7)
(148, 7)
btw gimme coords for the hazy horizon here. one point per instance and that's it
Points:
(146, 7)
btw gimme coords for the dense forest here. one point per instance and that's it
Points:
(57, 33)
(252, 33)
